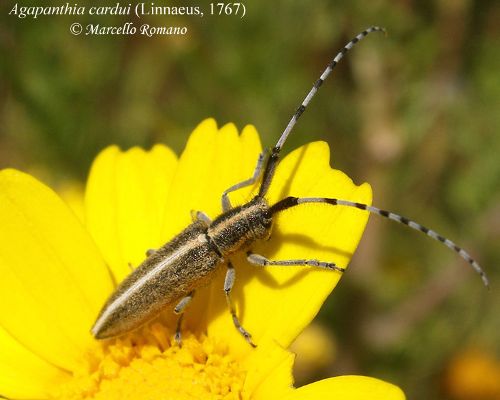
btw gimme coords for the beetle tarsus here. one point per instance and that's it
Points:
(178, 334)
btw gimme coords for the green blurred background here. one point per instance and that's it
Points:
(416, 114)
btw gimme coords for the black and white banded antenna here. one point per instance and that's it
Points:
(274, 156)
(291, 201)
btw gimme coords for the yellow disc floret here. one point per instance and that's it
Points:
(149, 365)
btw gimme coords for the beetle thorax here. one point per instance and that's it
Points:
(238, 228)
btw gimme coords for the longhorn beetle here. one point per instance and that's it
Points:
(171, 274)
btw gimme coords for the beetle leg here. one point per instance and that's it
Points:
(179, 309)
(131, 267)
(261, 261)
(200, 216)
(226, 204)
(228, 285)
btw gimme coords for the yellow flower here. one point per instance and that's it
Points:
(473, 374)
(56, 274)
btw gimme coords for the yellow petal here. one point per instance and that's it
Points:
(347, 388)
(269, 372)
(53, 278)
(124, 203)
(311, 231)
(213, 160)
(278, 302)
(24, 375)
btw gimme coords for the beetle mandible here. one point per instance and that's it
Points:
(172, 273)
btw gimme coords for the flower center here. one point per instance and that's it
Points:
(147, 365)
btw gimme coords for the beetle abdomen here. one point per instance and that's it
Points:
(183, 264)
